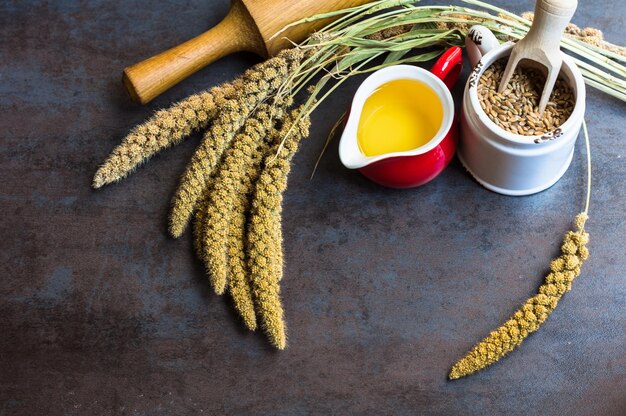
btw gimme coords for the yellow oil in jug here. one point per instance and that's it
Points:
(400, 115)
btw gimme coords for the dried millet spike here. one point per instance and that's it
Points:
(238, 281)
(166, 128)
(198, 224)
(221, 196)
(225, 193)
(238, 284)
(390, 32)
(208, 155)
(258, 83)
(564, 269)
(243, 173)
(464, 27)
(264, 243)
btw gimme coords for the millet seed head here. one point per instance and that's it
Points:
(532, 313)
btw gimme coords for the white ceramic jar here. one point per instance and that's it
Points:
(504, 162)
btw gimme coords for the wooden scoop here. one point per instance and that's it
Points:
(248, 26)
(541, 43)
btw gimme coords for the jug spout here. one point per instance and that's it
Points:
(349, 151)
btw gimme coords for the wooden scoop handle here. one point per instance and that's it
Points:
(237, 32)
(551, 19)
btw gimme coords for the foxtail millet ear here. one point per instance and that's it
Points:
(264, 240)
(534, 312)
(258, 83)
(165, 129)
(227, 194)
(220, 236)
(239, 284)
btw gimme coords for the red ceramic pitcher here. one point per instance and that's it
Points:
(416, 166)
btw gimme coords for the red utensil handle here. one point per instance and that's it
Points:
(448, 66)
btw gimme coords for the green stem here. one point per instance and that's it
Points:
(604, 88)
(588, 198)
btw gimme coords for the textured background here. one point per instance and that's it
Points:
(102, 313)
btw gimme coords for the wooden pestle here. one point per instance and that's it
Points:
(248, 26)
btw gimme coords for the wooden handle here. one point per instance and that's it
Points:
(237, 32)
(550, 20)
(249, 26)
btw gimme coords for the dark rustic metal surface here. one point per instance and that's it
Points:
(102, 313)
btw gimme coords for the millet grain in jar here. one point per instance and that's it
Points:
(516, 110)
